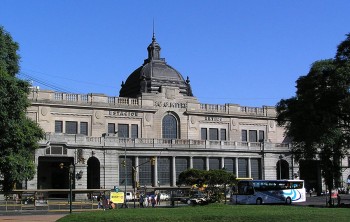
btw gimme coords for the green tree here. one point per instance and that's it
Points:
(19, 135)
(191, 177)
(317, 118)
(216, 180)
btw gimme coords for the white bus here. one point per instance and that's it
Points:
(269, 192)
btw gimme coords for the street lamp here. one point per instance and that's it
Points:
(71, 171)
(125, 175)
(125, 170)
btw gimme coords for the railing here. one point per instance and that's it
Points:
(112, 141)
(40, 200)
(215, 108)
(136, 102)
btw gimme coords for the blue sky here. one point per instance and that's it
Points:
(242, 52)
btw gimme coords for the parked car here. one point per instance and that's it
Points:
(129, 196)
(164, 196)
(198, 199)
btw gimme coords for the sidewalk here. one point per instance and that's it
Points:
(32, 218)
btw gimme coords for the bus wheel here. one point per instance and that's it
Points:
(288, 201)
(258, 201)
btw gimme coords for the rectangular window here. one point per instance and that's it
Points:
(261, 135)
(71, 127)
(134, 131)
(222, 134)
(84, 128)
(243, 167)
(204, 134)
(199, 163)
(213, 134)
(145, 171)
(244, 136)
(230, 165)
(56, 150)
(123, 130)
(181, 164)
(255, 165)
(111, 128)
(253, 137)
(214, 164)
(58, 126)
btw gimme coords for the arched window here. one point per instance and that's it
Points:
(169, 127)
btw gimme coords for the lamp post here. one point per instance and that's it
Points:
(126, 176)
(71, 172)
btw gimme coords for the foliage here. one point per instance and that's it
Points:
(8, 53)
(191, 177)
(216, 180)
(317, 118)
(215, 212)
(18, 135)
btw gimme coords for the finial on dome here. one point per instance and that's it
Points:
(153, 36)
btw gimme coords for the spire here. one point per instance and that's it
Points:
(153, 37)
(154, 48)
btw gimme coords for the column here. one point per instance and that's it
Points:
(155, 176)
(137, 169)
(207, 163)
(173, 171)
(222, 162)
(191, 162)
(236, 162)
(249, 168)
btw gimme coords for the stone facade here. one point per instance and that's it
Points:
(148, 138)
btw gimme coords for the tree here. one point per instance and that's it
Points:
(317, 118)
(19, 135)
(191, 177)
(216, 180)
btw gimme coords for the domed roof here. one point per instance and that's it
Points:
(153, 74)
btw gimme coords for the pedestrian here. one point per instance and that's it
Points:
(158, 198)
(104, 202)
(148, 200)
(99, 203)
(310, 192)
(153, 201)
(141, 201)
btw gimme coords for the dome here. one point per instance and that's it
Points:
(152, 75)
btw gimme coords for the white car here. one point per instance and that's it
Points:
(164, 196)
(129, 196)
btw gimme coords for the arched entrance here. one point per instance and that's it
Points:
(282, 168)
(93, 173)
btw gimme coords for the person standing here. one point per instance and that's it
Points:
(141, 201)
(158, 198)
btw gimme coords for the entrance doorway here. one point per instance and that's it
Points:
(310, 172)
(282, 167)
(51, 176)
(93, 173)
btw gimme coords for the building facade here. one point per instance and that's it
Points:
(151, 133)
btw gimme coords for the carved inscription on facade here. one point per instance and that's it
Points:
(122, 113)
(170, 104)
(210, 118)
